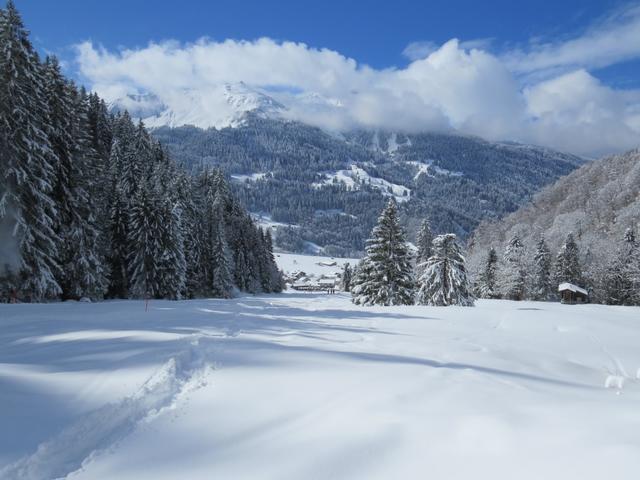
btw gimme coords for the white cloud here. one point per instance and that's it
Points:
(594, 118)
(421, 49)
(457, 85)
(613, 40)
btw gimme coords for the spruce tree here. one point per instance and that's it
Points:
(513, 274)
(172, 266)
(444, 281)
(80, 257)
(222, 282)
(567, 267)
(26, 160)
(386, 275)
(275, 281)
(620, 279)
(488, 281)
(542, 286)
(117, 229)
(192, 234)
(347, 276)
(632, 267)
(144, 236)
(423, 243)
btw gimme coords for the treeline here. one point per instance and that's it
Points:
(92, 207)
(534, 273)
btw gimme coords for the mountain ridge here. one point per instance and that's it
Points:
(295, 173)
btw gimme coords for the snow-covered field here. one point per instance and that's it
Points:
(309, 386)
(355, 176)
(312, 264)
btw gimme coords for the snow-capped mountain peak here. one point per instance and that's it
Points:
(219, 106)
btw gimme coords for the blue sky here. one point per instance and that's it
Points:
(534, 51)
(374, 32)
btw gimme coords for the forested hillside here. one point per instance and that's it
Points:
(330, 186)
(599, 204)
(92, 206)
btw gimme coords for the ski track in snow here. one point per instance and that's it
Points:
(315, 388)
(103, 428)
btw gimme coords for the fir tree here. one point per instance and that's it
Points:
(444, 277)
(513, 273)
(386, 274)
(542, 286)
(488, 282)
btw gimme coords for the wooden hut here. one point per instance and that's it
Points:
(572, 294)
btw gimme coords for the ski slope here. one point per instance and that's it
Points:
(309, 386)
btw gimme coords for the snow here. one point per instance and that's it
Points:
(393, 143)
(356, 176)
(312, 264)
(218, 106)
(573, 288)
(252, 177)
(425, 167)
(310, 386)
(264, 220)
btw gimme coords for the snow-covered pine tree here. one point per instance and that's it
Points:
(488, 281)
(513, 275)
(423, 243)
(567, 266)
(100, 128)
(144, 243)
(172, 265)
(542, 286)
(241, 271)
(620, 282)
(134, 153)
(347, 275)
(84, 265)
(361, 286)
(192, 234)
(26, 160)
(444, 277)
(386, 276)
(82, 272)
(222, 281)
(274, 279)
(117, 230)
(632, 267)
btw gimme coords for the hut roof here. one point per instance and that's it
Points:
(573, 288)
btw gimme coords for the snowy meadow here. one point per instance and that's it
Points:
(308, 385)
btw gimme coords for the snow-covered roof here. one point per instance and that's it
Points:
(327, 281)
(574, 288)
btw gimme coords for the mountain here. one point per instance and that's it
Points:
(329, 187)
(597, 202)
(322, 190)
(220, 106)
